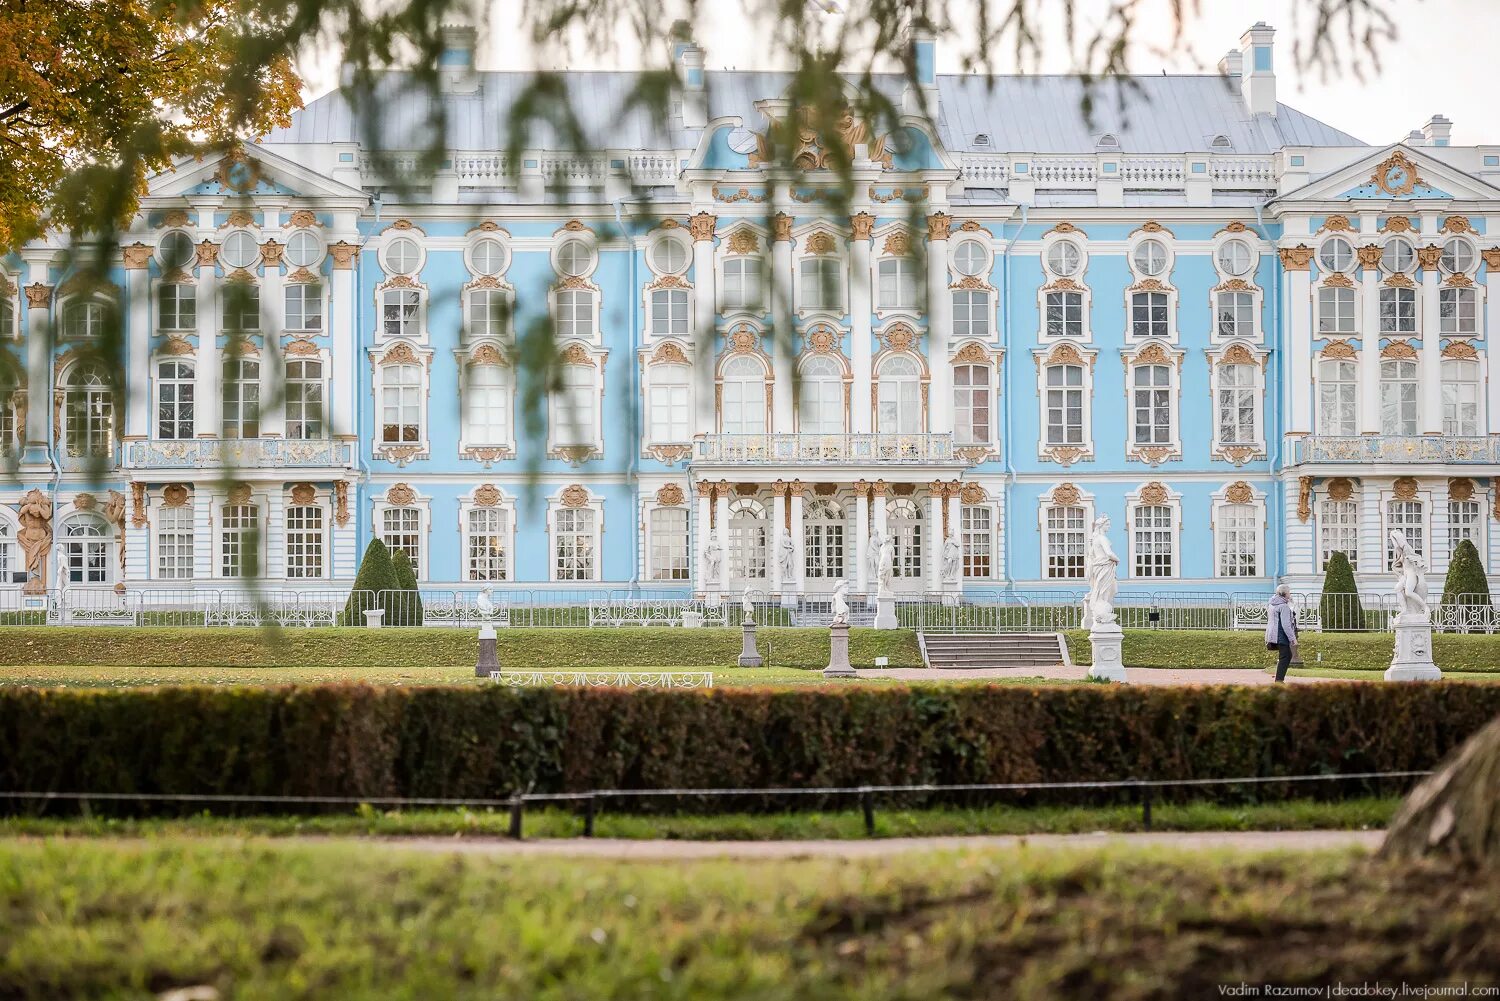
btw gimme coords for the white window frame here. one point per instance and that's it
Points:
(650, 511)
(321, 298)
(159, 386)
(1396, 328)
(918, 381)
(1222, 506)
(1414, 425)
(1474, 385)
(1423, 499)
(488, 288)
(410, 323)
(1046, 359)
(468, 438)
(807, 303)
(102, 444)
(385, 362)
(1454, 325)
(649, 395)
(1173, 504)
(741, 304)
(1477, 535)
(1328, 529)
(989, 536)
(991, 396)
(573, 367)
(841, 383)
(321, 537)
(899, 262)
(1323, 382)
(422, 507)
(261, 531)
(723, 394)
(1143, 357)
(555, 507)
(1045, 505)
(159, 553)
(1350, 325)
(1257, 363)
(184, 298)
(105, 540)
(506, 506)
(321, 360)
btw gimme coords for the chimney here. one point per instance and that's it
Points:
(923, 42)
(1415, 138)
(456, 73)
(1437, 130)
(1257, 70)
(1229, 66)
(687, 57)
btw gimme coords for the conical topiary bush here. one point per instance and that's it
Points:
(403, 607)
(1339, 608)
(1466, 584)
(376, 573)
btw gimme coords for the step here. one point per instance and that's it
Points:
(979, 650)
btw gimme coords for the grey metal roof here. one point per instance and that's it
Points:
(1034, 114)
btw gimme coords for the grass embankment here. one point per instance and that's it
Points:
(518, 649)
(1339, 651)
(1293, 815)
(260, 919)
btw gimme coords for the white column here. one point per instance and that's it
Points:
(272, 364)
(341, 326)
(1299, 327)
(778, 532)
(1371, 540)
(206, 544)
(208, 405)
(861, 537)
(939, 327)
(38, 365)
(862, 225)
(1369, 340)
(704, 534)
(783, 349)
(954, 524)
(1430, 371)
(799, 541)
(275, 533)
(705, 313)
(137, 341)
(721, 531)
(1489, 332)
(934, 567)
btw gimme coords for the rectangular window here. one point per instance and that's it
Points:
(971, 404)
(1398, 397)
(488, 545)
(1338, 531)
(1148, 314)
(304, 541)
(1398, 311)
(1064, 314)
(1457, 311)
(669, 312)
(971, 314)
(575, 314)
(1154, 556)
(575, 544)
(1407, 516)
(1460, 392)
(241, 302)
(1338, 399)
(304, 306)
(667, 401)
(488, 310)
(1236, 311)
(821, 285)
(401, 531)
(1335, 310)
(1152, 402)
(1065, 405)
(897, 284)
(304, 400)
(1463, 523)
(742, 284)
(401, 404)
(239, 541)
(178, 306)
(174, 400)
(487, 405)
(174, 543)
(978, 540)
(1238, 538)
(1067, 541)
(399, 311)
(10, 567)
(574, 407)
(669, 544)
(241, 398)
(1237, 405)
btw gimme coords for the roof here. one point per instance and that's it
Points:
(1034, 114)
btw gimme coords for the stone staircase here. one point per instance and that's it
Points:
(960, 651)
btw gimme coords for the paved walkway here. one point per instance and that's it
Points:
(671, 850)
(1136, 676)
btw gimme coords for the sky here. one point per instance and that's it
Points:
(1437, 64)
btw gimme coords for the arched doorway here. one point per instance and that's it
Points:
(825, 535)
(749, 528)
(904, 525)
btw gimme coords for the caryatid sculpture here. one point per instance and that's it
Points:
(1099, 606)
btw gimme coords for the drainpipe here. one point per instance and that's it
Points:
(362, 393)
(1008, 367)
(1277, 504)
(633, 463)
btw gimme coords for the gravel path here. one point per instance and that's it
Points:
(1136, 676)
(647, 851)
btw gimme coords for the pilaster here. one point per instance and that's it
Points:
(939, 325)
(1429, 372)
(862, 226)
(707, 303)
(207, 373)
(137, 340)
(783, 342)
(1369, 340)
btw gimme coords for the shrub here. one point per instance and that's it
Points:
(1339, 608)
(376, 574)
(403, 607)
(1466, 583)
(487, 741)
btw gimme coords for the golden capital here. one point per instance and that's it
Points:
(879, 488)
(343, 254)
(862, 224)
(938, 225)
(778, 488)
(705, 489)
(781, 228)
(861, 487)
(1491, 258)
(1369, 256)
(1428, 256)
(1296, 258)
(208, 253)
(137, 256)
(38, 296)
(701, 226)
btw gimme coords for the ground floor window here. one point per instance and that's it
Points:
(576, 559)
(1463, 523)
(748, 528)
(1238, 541)
(9, 564)
(239, 542)
(669, 544)
(1154, 555)
(488, 550)
(978, 540)
(904, 522)
(86, 551)
(1407, 516)
(174, 543)
(401, 531)
(1338, 530)
(304, 541)
(823, 539)
(1065, 542)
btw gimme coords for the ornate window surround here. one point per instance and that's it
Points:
(669, 495)
(825, 340)
(579, 353)
(485, 353)
(899, 337)
(1239, 352)
(156, 502)
(742, 238)
(574, 497)
(401, 497)
(396, 353)
(307, 495)
(673, 351)
(1239, 493)
(1064, 494)
(1238, 283)
(973, 352)
(1065, 352)
(1406, 488)
(242, 493)
(1153, 494)
(1060, 283)
(1334, 490)
(487, 495)
(744, 339)
(659, 283)
(892, 241)
(169, 350)
(1144, 283)
(820, 241)
(1154, 351)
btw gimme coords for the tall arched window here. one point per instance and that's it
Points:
(576, 544)
(1460, 397)
(88, 409)
(748, 528)
(304, 399)
(401, 531)
(1154, 541)
(823, 527)
(744, 396)
(669, 544)
(820, 397)
(1239, 538)
(1338, 397)
(241, 398)
(1398, 397)
(1064, 404)
(899, 396)
(487, 405)
(904, 528)
(86, 550)
(401, 403)
(174, 399)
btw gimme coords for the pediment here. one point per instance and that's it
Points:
(1395, 173)
(247, 171)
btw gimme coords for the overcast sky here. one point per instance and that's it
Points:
(1440, 63)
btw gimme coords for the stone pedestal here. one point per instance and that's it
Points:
(749, 655)
(1412, 659)
(488, 660)
(375, 617)
(1107, 641)
(692, 619)
(885, 611)
(838, 652)
(788, 599)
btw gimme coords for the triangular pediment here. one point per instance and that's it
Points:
(246, 172)
(1395, 173)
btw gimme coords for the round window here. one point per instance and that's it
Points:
(402, 255)
(1336, 255)
(1235, 258)
(574, 258)
(175, 250)
(239, 250)
(1398, 255)
(1458, 256)
(969, 257)
(1151, 258)
(669, 257)
(1064, 258)
(487, 257)
(303, 249)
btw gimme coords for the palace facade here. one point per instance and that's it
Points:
(1247, 337)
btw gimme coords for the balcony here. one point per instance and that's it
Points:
(235, 453)
(826, 449)
(1391, 450)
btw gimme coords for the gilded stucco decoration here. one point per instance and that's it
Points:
(1397, 224)
(972, 354)
(175, 218)
(669, 354)
(1399, 280)
(669, 495)
(85, 502)
(743, 241)
(781, 228)
(1154, 493)
(862, 225)
(406, 224)
(302, 276)
(1337, 350)
(487, 495)
(301, 348)
(38, 295)
(1459, 280)
(1065, 455)
(175, 347)
(1456, 224)
(400, 495)
(1408, 172)
(239, 217)
(1065, 227)
(343, 254)
(1066, 494)
(1336, 224)
(743, 340)
(271, 252)
(1399, 349)
(1369, 255)
(1154, 354)
(174, 495)
(576, 354)
(1429, 256)
(820, 243)
(303, 493)
(899, 337)
(137, 256)
(341, 503)
(1491, 257)
(670, 453)
(939, 224)
(1340, 488)
(1063, 284)
(738, 195)
(490, 226)
(574, 495)
(239, 493)
(1304, 498)
(138, 505)
(812, 151)
(1152, 226)
(1405, 488)
(1237, 354)
(1338, 280)
(1239, 492)
(487, 354)
(897, 243)
(701, 226)
(400, 354)
(1460, 488)
(973, 493)
(1150, 285)
(1460, 349)
(1234, 285)
(1065, 354)
(822, 339)
(1296, 258)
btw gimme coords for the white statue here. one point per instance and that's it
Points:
(484, 605)
(1099, 606)
(747, 607)
(887, 553)
(841, 603)
(713, 562)
(1411, 584)
(952, 557)
(873, 556)
(788, 560)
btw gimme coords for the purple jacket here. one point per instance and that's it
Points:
(1281, 620)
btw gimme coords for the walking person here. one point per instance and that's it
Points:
(1281, 629)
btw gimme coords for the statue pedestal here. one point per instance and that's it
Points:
(1107, 641)
(749, 655)
(1412, 659)
(488, 661)
(885, 611)
(712, 598)
(838, 652)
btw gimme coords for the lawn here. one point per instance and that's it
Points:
(1362, 652)
(262, 919)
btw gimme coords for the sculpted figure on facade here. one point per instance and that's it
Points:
(952, 557)
(35, 537)
(872, 557)
(787, 559)
(713, 563)
(887, 554)
(1099, 606)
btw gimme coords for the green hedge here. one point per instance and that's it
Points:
(519, 649)
(355, 740)
(1341, 651)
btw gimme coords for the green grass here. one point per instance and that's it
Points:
(259, 919)
(1451, 675)
(1361, 652)
(1291, 815)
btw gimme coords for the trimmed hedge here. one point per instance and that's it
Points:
(1341, 651)
(355, 740)
(1339, 607)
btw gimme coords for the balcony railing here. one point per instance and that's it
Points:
(1396, 449)
(250, 453)
(822, 449)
